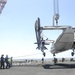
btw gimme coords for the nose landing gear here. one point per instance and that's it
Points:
(44, 54)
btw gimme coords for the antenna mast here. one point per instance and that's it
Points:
(56, 12)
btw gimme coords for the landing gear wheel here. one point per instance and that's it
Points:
(72, 53)
(54, 54)
(55, 60)
(44, 54)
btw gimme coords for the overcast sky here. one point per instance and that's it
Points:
(17, 33)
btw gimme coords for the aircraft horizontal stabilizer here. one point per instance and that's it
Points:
(45, 42)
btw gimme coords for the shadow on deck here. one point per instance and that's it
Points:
(59, 66)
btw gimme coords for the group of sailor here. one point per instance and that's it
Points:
(5, 62)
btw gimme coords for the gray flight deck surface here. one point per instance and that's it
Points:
(45, 69)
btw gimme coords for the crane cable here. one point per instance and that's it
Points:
(56, 6)
(56, 12)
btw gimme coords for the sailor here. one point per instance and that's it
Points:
(11, 61)
(7, 62)
(2, 62)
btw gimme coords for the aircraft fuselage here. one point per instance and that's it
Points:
(64, 41)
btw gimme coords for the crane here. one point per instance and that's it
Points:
(2, 5)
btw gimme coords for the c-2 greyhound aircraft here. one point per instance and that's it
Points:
(63, 43)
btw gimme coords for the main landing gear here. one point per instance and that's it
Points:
(55, 59)
(72, 53)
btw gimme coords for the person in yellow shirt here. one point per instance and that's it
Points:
(11, 61)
